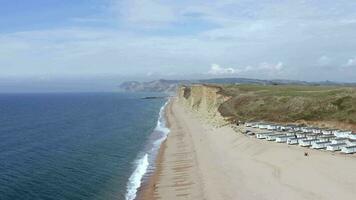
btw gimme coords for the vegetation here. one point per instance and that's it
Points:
(286, 103)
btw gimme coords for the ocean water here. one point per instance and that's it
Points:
(77, 146)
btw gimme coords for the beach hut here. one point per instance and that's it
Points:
(263, 135)
(349, 149)
(307, 142)
(313, 142)
(339, 140)
(326, 138)
(328, 131)
(320, 145)
(271, 127)
(335, 147)
(290, 133)
(292, 141)
(304, 128)
(274, 136)
(282, 127)
(298, 127)
(300, 134)
(284, 138)
(342, 133)
(289, 127)
(350, 142)
(315, 130)
(262, 126)
(352, 136)
(311, 136)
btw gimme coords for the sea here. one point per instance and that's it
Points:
(75, 146)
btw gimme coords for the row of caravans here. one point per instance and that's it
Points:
(329, 139)
(316, 130)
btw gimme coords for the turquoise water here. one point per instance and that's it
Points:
(76, 146)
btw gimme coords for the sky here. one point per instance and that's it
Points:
(311, 40)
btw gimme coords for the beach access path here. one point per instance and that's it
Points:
(200, 161)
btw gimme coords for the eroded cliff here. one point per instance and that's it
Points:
(205, 100)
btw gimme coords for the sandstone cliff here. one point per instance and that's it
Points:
(206, 100)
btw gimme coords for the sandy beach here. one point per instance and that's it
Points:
(200, 161)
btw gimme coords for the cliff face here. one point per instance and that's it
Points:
(206, 100)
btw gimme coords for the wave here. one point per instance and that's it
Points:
(135, 179)
(143, 163)
(161, 125)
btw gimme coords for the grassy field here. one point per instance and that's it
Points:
(283, 103)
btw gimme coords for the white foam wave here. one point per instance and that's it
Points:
(135, 179)
(161, 125)
(142, 164)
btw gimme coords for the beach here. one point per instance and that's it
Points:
(202, 161)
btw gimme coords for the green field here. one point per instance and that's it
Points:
(286, 103)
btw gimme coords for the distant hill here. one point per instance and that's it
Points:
(169, 86)
(161, 85)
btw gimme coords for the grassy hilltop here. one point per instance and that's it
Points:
(286, 103)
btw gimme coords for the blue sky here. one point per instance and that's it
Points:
(19, 15)
(272, 39)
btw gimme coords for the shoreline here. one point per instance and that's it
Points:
(146, 166)
(175, 175)
(200, 161)
(148, 188)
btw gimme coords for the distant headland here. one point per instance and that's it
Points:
(170, 86)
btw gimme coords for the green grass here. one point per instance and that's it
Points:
(290, 103)
(287, 90)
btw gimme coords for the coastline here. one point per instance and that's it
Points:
(148, 189)
(200, 161)
(175, 176)
(146, 164)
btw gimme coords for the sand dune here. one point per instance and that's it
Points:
(199, 161)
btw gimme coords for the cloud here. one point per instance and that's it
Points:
(263, 67)
(324, 61)
(187, 36)
(146, 13)
(217, 70)
(351, 62)
(270, 67)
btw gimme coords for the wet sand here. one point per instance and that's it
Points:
(199, 161)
